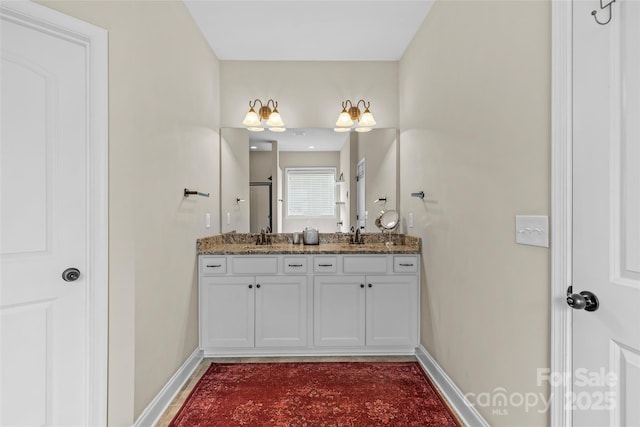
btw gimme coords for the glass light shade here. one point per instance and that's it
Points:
(251, 119)
(344, 119)
(255, 129)
(277, 129)
(367, 119)
(275, 120)
(342, 129)
(363, 129)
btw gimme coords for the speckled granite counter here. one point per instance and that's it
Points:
(330, 243)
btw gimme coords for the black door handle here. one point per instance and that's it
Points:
(70, 274)
(584, 300)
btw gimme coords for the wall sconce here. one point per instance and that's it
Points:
(253, 120)
(351, 113)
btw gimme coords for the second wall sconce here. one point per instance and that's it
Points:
(253, 120)
(351, 113)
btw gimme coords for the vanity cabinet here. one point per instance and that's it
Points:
(339, 311)
(245, 310)
(227, 312)
(308, 304)
(380, 310)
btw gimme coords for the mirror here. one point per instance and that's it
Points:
(313, 177)
(388, 220)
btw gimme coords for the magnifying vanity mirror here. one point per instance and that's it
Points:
(388, 220)
(286, 181)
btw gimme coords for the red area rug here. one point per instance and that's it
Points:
(314, 394)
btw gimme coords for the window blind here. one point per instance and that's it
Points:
(311, 192)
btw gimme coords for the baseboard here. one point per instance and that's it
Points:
(465, 411)
(161, 402)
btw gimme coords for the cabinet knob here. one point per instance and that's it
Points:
(258, 286)
(370, 285)
(250, 286)
(362, 285)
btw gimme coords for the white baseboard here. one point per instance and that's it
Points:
(152, 413)
(465, 411)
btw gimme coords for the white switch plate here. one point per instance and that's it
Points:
(207, 220)
(410, 221)
(532, 230)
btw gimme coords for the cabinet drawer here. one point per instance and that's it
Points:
(325, 264)
(294, 265)
(254, 265)
(365, 264)
(405, 264)
(213, 265)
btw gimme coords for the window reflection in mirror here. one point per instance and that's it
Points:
(253, 168)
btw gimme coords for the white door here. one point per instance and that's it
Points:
(361, 215)
(606, 209)
(339, 311)
(281, 311)
(392, 310)
(44, 329)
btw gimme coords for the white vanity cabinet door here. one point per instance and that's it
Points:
(226, 312)
(339, 311)
(392, 310)
(281, 311)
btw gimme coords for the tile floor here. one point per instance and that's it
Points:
(173, 408)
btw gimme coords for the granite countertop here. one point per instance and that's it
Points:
(330, 243)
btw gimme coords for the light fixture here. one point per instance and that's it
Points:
(351, 113)
(253, 120)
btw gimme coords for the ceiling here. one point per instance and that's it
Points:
(308, 30)
(314, 139)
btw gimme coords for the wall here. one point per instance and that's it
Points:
(261, 165)
(475, 136)
(309, 94)
(234, 167)
(163, 137)
(289, 159)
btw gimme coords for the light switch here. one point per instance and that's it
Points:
(228, 218)
(532, 230)
(207, 220)
(410, 220)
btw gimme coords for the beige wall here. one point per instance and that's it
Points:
(234, 173)
(261, 165)
(163, 121)
(309, 93)
(475, 136)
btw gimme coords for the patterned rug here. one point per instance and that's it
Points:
(314, 394)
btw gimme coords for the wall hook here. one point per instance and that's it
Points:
(419, 195)
(188, 192)
(238, 200)
(602, 7)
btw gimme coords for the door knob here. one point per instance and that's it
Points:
(70, 274)
(584, 300)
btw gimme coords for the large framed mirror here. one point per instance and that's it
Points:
(285, 181)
